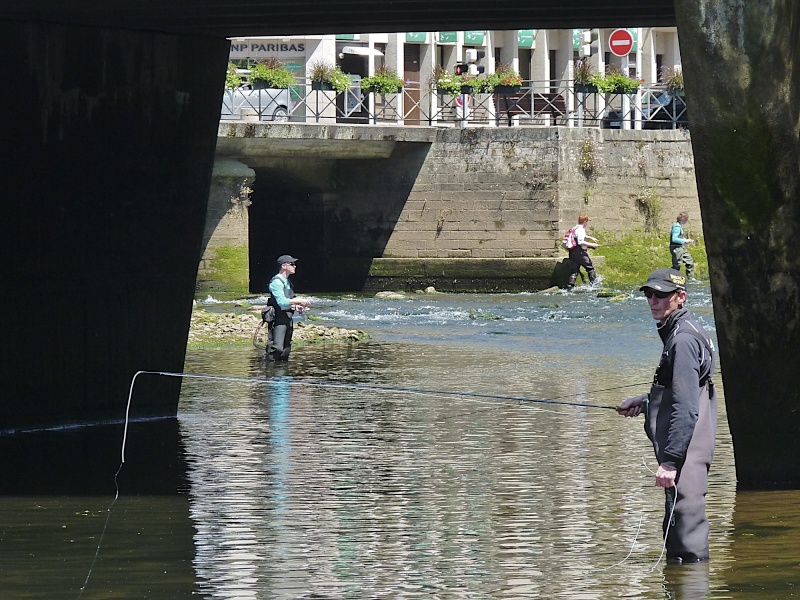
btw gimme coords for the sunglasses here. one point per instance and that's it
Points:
(660, 295)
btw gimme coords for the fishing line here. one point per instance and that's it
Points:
(557, 400)
(116, 485)
(638, 529)
(669, 521)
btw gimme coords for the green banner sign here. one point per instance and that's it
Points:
(525, 38)
(474, 38)
(416, 37)
(576, 39)
(635, 33)
(346, 37)
(448, 37)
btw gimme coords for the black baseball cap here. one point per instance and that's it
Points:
(665, 280)
(286, 258)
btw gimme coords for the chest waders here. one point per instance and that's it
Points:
(280, 335)
(687, 531)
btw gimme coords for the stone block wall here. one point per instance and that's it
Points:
(631, 171)
(225, 262)
(511, 193)
(358, 203)
(482, 193)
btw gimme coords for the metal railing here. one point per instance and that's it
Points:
(536, 103)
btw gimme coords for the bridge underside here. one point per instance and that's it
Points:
(112, 110)
(245, 18)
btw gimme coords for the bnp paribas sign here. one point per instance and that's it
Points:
(266, 47)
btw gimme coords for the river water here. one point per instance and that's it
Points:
(274, 483)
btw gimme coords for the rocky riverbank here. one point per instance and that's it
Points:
(212, 328)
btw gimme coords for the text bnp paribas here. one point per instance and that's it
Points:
(251, 48)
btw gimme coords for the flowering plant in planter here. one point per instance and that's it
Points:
(582, 76)
(446, 82)
(384, 81)
(504, 77)
(233, 79)
(672, 80)
(615, 83)
(325, 76)
(271, 73)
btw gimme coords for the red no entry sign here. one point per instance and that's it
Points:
(620, 42)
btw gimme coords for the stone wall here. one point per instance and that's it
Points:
(224, 265)
(631, 170)
(483, 193)
(498, 199)
(511, 193)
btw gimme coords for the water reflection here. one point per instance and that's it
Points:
(378, 494)
(272, 488)
(57, 533)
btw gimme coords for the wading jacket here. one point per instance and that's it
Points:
(281, 291)
(687, 364)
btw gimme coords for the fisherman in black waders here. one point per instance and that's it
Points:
(680, 416)
(283, 300)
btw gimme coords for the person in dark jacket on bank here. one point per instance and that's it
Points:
(680, 416)
(283, 300)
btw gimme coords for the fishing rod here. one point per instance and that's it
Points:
(388, 388)
(412, 390)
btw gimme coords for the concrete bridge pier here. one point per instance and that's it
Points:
(110, 139)
(745, 58)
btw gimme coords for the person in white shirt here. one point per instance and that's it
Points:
(578, 256)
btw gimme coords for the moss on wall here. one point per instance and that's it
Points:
(228, 270)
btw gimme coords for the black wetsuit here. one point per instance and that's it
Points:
(681, 421)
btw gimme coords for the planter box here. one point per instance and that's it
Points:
(465, 89)
(371, 91)
(505, 90)
(260, 84)
(585, 88)
(325, 86)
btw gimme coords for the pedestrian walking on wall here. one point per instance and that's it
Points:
(677, 246)
(285, 303)
(576, 242)
(680, 416)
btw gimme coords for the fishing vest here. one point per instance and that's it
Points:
(288, 291)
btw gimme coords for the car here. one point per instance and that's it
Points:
(267, 104)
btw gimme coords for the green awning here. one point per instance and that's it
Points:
(448, 37)
(416, 37)
(474, 38)
(348, 37)
(525, 38)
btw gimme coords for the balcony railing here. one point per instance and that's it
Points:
(538, 103)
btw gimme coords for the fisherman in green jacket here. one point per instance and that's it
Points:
(677, 246)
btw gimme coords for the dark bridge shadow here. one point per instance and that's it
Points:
(82, 461)
(335, 215)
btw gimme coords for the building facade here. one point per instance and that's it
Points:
(544, 57)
